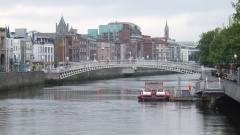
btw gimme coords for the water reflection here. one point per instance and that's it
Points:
(105, 107)
(91, 95)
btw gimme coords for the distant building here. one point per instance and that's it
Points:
(73, 31)
(93, 33)
(166, 32)
(161, 49)
(62, 28)
(43, 51)
(20, 33)
(2, 49)
(121, 31)
(188, 50)
(29, 53)
(148, 48)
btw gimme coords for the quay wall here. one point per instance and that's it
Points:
(107, 73)
(17, 80)
(100, 74)
(232, 90)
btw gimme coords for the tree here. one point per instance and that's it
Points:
(204, 50)
(220, 46)
(215, 47)
(236, 16)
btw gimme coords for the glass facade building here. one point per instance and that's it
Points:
(93, 32)
(111, 30)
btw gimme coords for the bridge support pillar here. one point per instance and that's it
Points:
(213, 102)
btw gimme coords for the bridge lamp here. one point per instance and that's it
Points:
(102, 49)
(42, 62)
(235, 56)
(94, 57)
(67, 59)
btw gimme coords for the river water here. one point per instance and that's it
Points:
(106, 107)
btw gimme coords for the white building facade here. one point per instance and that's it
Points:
(43, 52)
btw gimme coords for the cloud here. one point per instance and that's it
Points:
(187, 19)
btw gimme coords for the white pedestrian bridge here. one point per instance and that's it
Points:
(77, 68)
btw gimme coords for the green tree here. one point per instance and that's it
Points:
(220, 46)
(204, 48)
(231, 43)
(236, 16)
(215, 47)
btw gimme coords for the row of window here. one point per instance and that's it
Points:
(90, 44)
(47, 49)
(46, 58)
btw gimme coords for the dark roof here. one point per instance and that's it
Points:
(159, 41)
(62, 23)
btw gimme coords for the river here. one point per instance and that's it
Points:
(107, 107)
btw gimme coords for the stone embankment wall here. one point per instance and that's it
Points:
(16, 80)
(107, 73)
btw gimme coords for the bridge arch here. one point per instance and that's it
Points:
(176, 67)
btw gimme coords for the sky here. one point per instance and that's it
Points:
(187, 19)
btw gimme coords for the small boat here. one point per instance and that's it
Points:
(153, 92)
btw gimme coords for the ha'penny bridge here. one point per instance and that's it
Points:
(207, 86)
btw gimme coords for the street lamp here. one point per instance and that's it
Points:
(31, 63)
(67, 60)
(94, 57)
(42, 62)
(165, 57)
(11, 58)
(7, 68)
(102, 47)
(235, 56)
(130, 56)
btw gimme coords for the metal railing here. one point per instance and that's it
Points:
(76, 68)
(210, 86)
(137, 63)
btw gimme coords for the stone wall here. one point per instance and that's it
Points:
(232, 90)
(106, 73)
(15, 80)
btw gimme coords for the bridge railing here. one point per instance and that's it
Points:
(205, 85)
(78, 65)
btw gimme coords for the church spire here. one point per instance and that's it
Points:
(62, 27)
(166, 32)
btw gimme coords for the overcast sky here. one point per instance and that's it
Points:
(187, 19)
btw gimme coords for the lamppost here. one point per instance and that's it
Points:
(94, 58)
(11, 59)
(165, 57)
(102, 47)
(235, 56)
(42, 62)
(31, 62)
(67, 60)
(7, 68)
(130, 57)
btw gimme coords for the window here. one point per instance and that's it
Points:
(51, 58)
(45, 49)
(51, 50)
(2, 41)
